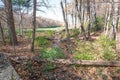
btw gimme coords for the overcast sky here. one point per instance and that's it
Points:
(54, 12)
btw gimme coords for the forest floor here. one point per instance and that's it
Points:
(29, 69)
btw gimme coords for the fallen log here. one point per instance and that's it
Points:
(85, 62)
(96, 63)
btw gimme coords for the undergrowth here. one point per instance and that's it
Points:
(84, 51)
(52, 53)
(48, 66)
(41, 41)
(75, 32)
(103, 48)
(107, 45)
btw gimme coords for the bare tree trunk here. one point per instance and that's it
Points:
(67, 29)
(81, 15)
(20, 19)
(65, 19)
(118, 18)
(76, 11)
(65, 16)
(34, 25)
(2, 34)
(83, 31)
(113, 20)
(105, 24)
(107, 21)
(96, 24)
(89, 22)
(10, 21)
(75, 20)
(21, 22)
(72, 16)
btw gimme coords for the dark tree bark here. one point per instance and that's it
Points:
(89, 22)
(10, 21)
(34, 25)
(2, 34)
(96, 23)
(113, 20)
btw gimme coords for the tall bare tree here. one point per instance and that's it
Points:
(95, 14)
(113, 20)
(118, 18)
(107, 19)
(81, 16)
(89, 19)
(65, 18)
(10, 21)
(1, 34)
(34, 25)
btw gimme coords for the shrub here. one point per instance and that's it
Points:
(84, 56)
(108, 54)
(29, 66)
(84, 51)
(51, 33)
(75, 32)
(40, 41)
(118, 70)
(85, 24)
(107, 44)
(103, 48)
(28, 34)
(112, 42)
(104, 77)
(100, 70)
(104, 41)
(99, 25)
(52, 53)
(48, 66)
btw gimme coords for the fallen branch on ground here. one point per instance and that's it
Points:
(85, 62)
(76, 62)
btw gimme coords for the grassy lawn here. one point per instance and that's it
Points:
(42, 29)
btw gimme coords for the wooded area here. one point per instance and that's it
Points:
(87, 36)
